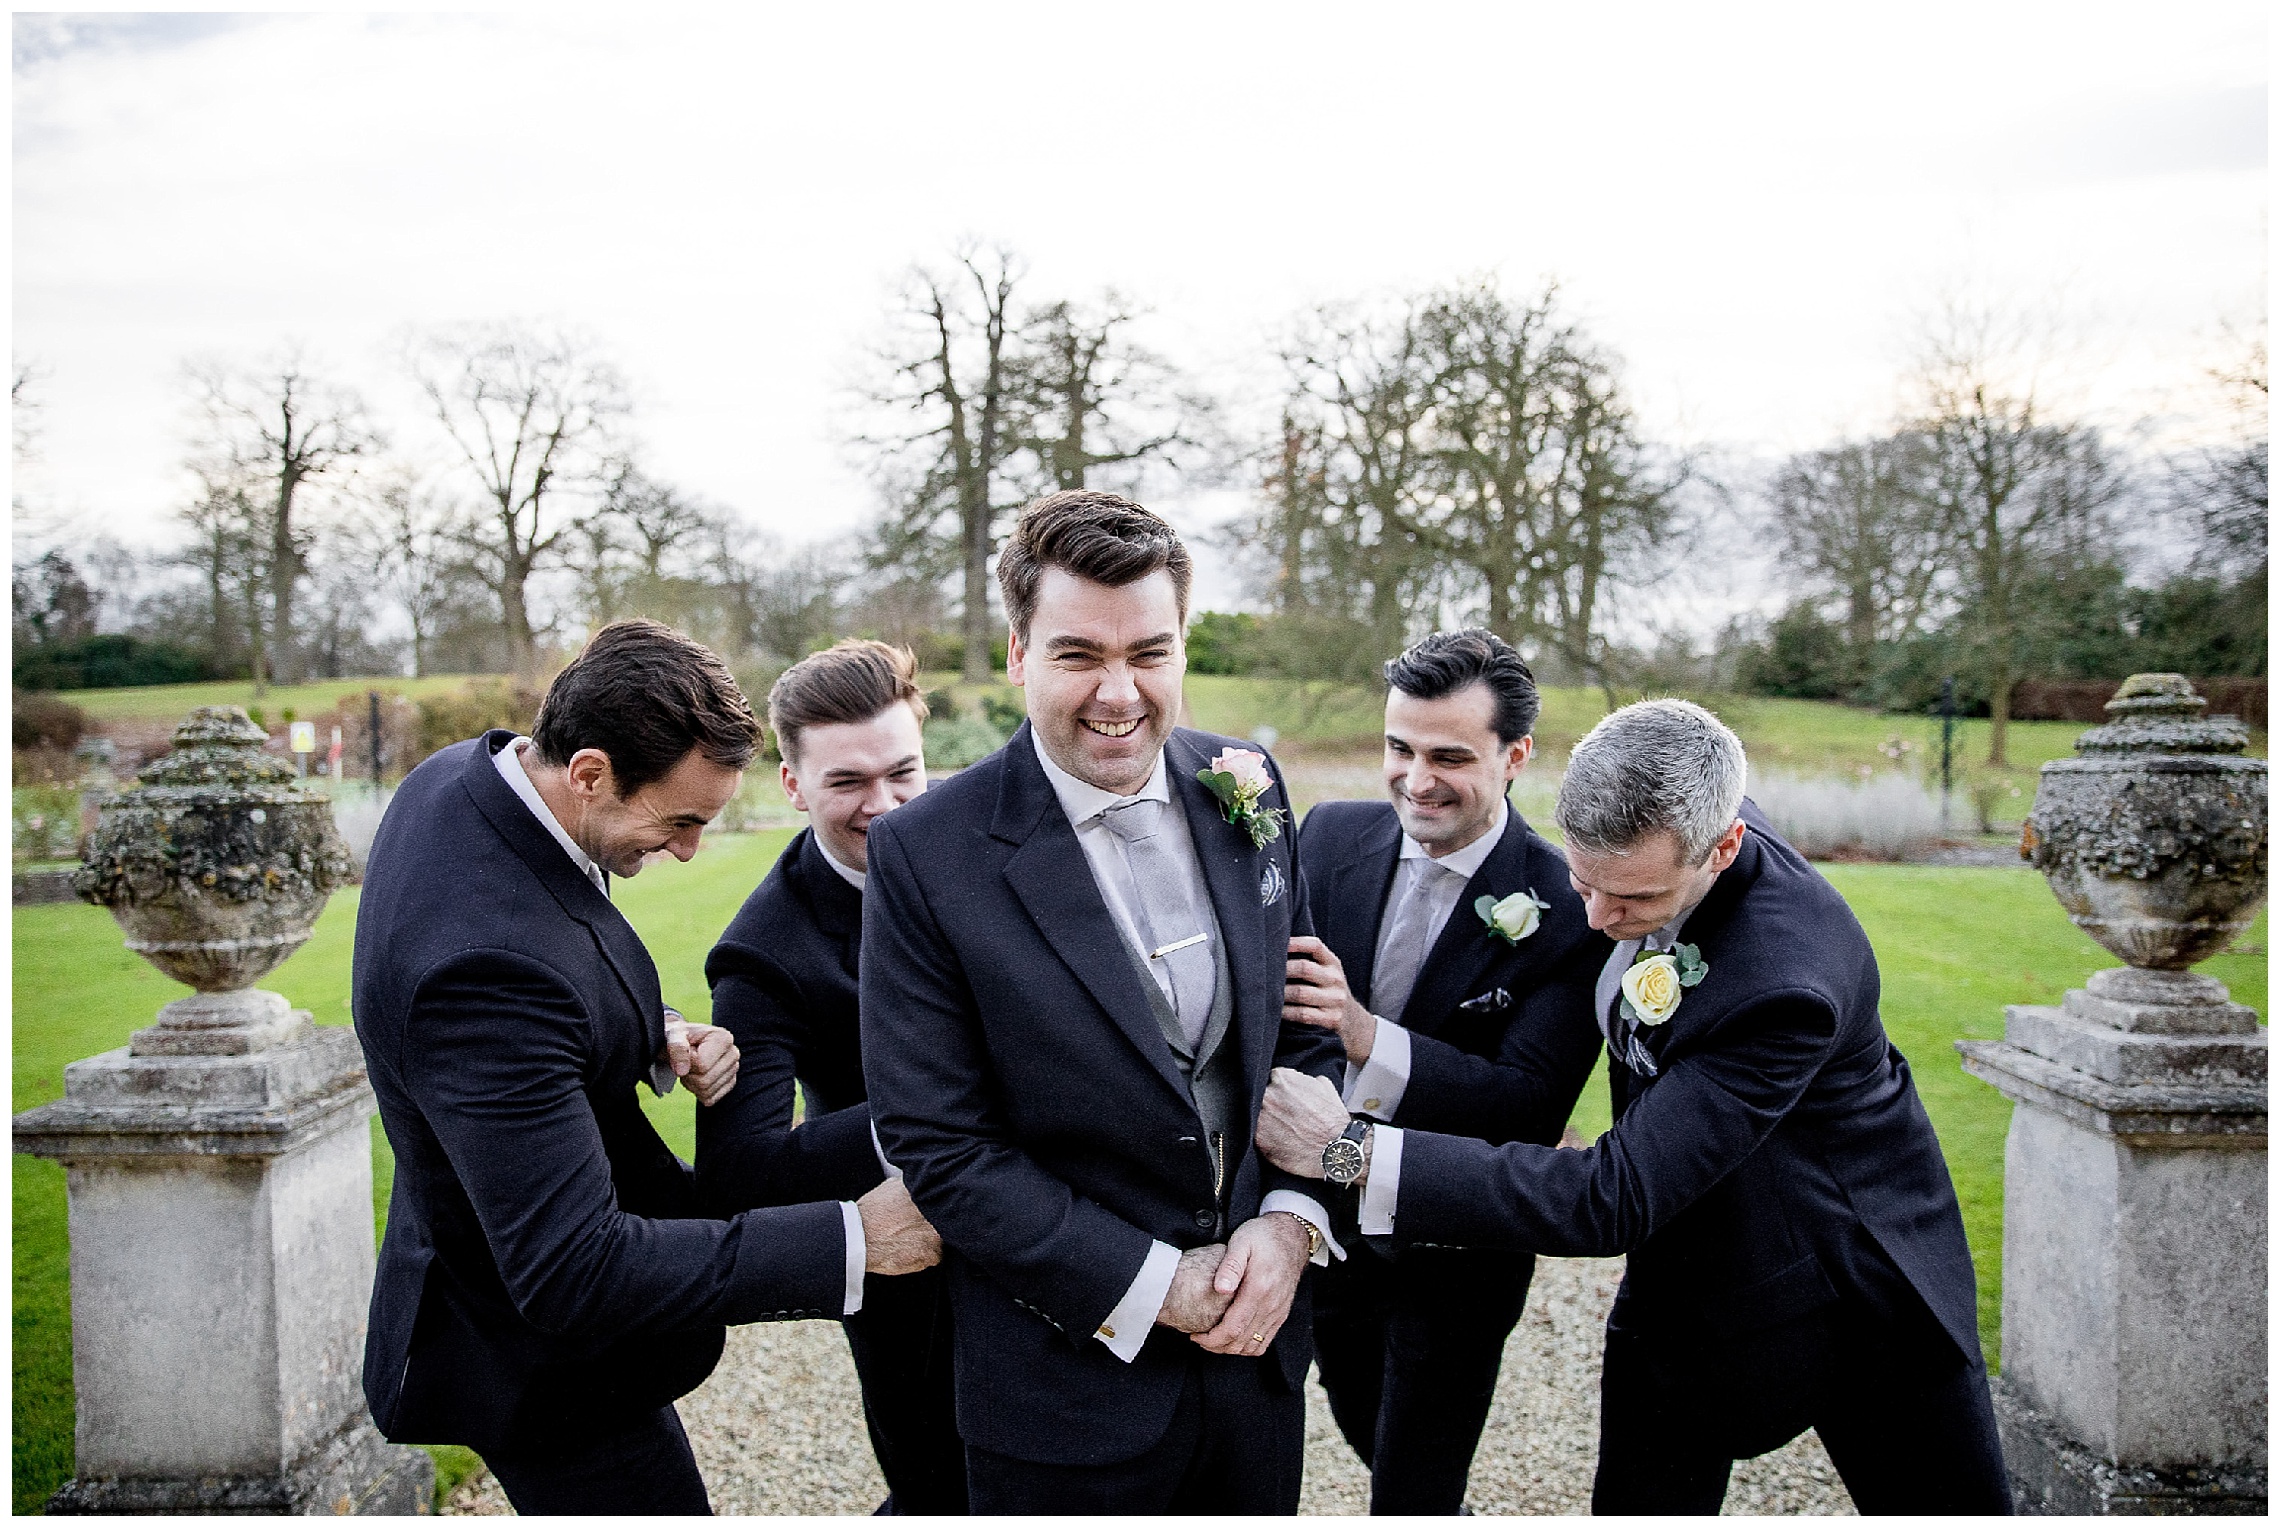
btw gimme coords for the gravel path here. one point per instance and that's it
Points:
(779, 1428)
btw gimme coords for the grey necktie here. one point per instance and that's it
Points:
(1173, 935)
(1404, 943)
(1623, 1039)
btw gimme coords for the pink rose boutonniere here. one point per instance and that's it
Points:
(1238, 777)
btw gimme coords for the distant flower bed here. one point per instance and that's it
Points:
(1887, 816)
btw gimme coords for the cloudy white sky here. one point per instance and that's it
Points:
(1748, 202)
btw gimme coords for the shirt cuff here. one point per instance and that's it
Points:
(661, 1078)
(1384, 1185)
(858, 1253)
(1305, 1208)
(1127, 1326)
(1375, 1088)
(892, 1171)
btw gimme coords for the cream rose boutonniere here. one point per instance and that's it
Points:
(1238, 778)
(1655, 984)
(1512, 918)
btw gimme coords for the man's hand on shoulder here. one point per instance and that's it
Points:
(1193, 1303)
(896, 1238)
(703, 1056)
(1315, 992)
(1260, 1274)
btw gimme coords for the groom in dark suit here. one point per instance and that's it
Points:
(1072, 998)
(1796, 1256)
(1448, 1018)
(548, 1284)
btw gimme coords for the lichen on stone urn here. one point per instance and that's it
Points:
(2153, 837)
(217, 862)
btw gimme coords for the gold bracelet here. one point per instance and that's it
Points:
(1313, 1233)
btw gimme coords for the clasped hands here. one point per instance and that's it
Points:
(1234, 1298)
(703, 1056)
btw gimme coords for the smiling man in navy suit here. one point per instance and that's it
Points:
(1796, 1256)
(1448, 1017)
(549, 1282)
(784, 983)
(1072, 998)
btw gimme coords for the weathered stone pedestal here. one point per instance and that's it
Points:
(2133, 1247)
(2134, 1178)
(220, 1173)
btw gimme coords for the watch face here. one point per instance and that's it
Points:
(1342, 1161)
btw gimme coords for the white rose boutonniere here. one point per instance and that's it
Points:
(1512, 918)
(1238, 777)
(1655, 984)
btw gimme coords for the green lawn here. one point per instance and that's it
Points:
(162, 701)
(1955, 946)
(79, 991)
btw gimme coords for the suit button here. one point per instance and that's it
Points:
(1205, 1220)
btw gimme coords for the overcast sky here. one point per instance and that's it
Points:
(1746, 202)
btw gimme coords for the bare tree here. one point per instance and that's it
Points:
(1853, 518)
(2224, 491)
(229, 549)
(282, 428)
(955, 371)
(1364, 385)
(531, 413)
(413, 543)
(1096, 399)
(2012, 492)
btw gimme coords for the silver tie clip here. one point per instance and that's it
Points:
(1162, 950)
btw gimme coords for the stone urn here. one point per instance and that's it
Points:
(2153, 835)
(216, 865)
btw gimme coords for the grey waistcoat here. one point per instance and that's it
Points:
(1215, 1081)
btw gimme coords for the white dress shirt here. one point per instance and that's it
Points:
(510, 766)
(1375, 1087)
(1381, 1194)
(1083, 804)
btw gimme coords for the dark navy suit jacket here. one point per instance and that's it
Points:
(784, 983)
(1019, 1079)
(1778, 1160)
(1491, 1053)
(543, 1276)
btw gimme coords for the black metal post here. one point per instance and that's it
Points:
(1947, 746)
(372, 698)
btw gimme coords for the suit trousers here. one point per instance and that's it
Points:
(1409, 1345)
(1906, 1419)
(900, 1341)
(1235, 1447)
(642, 1470)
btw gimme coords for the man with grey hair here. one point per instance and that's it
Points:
(1796, 1256)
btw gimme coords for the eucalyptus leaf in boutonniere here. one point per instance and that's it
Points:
(1655, 984)
(1512, 918)
(1238, 777)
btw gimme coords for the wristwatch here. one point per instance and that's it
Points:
(1342, 1159)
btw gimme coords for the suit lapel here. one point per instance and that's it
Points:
(1467, 948)
(1054, 882)
(1230, 871)
(527, 836)
(1357, 893)
(836, 906)
(1701, 929)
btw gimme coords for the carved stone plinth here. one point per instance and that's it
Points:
(220, 1174)
(2133, 1247)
